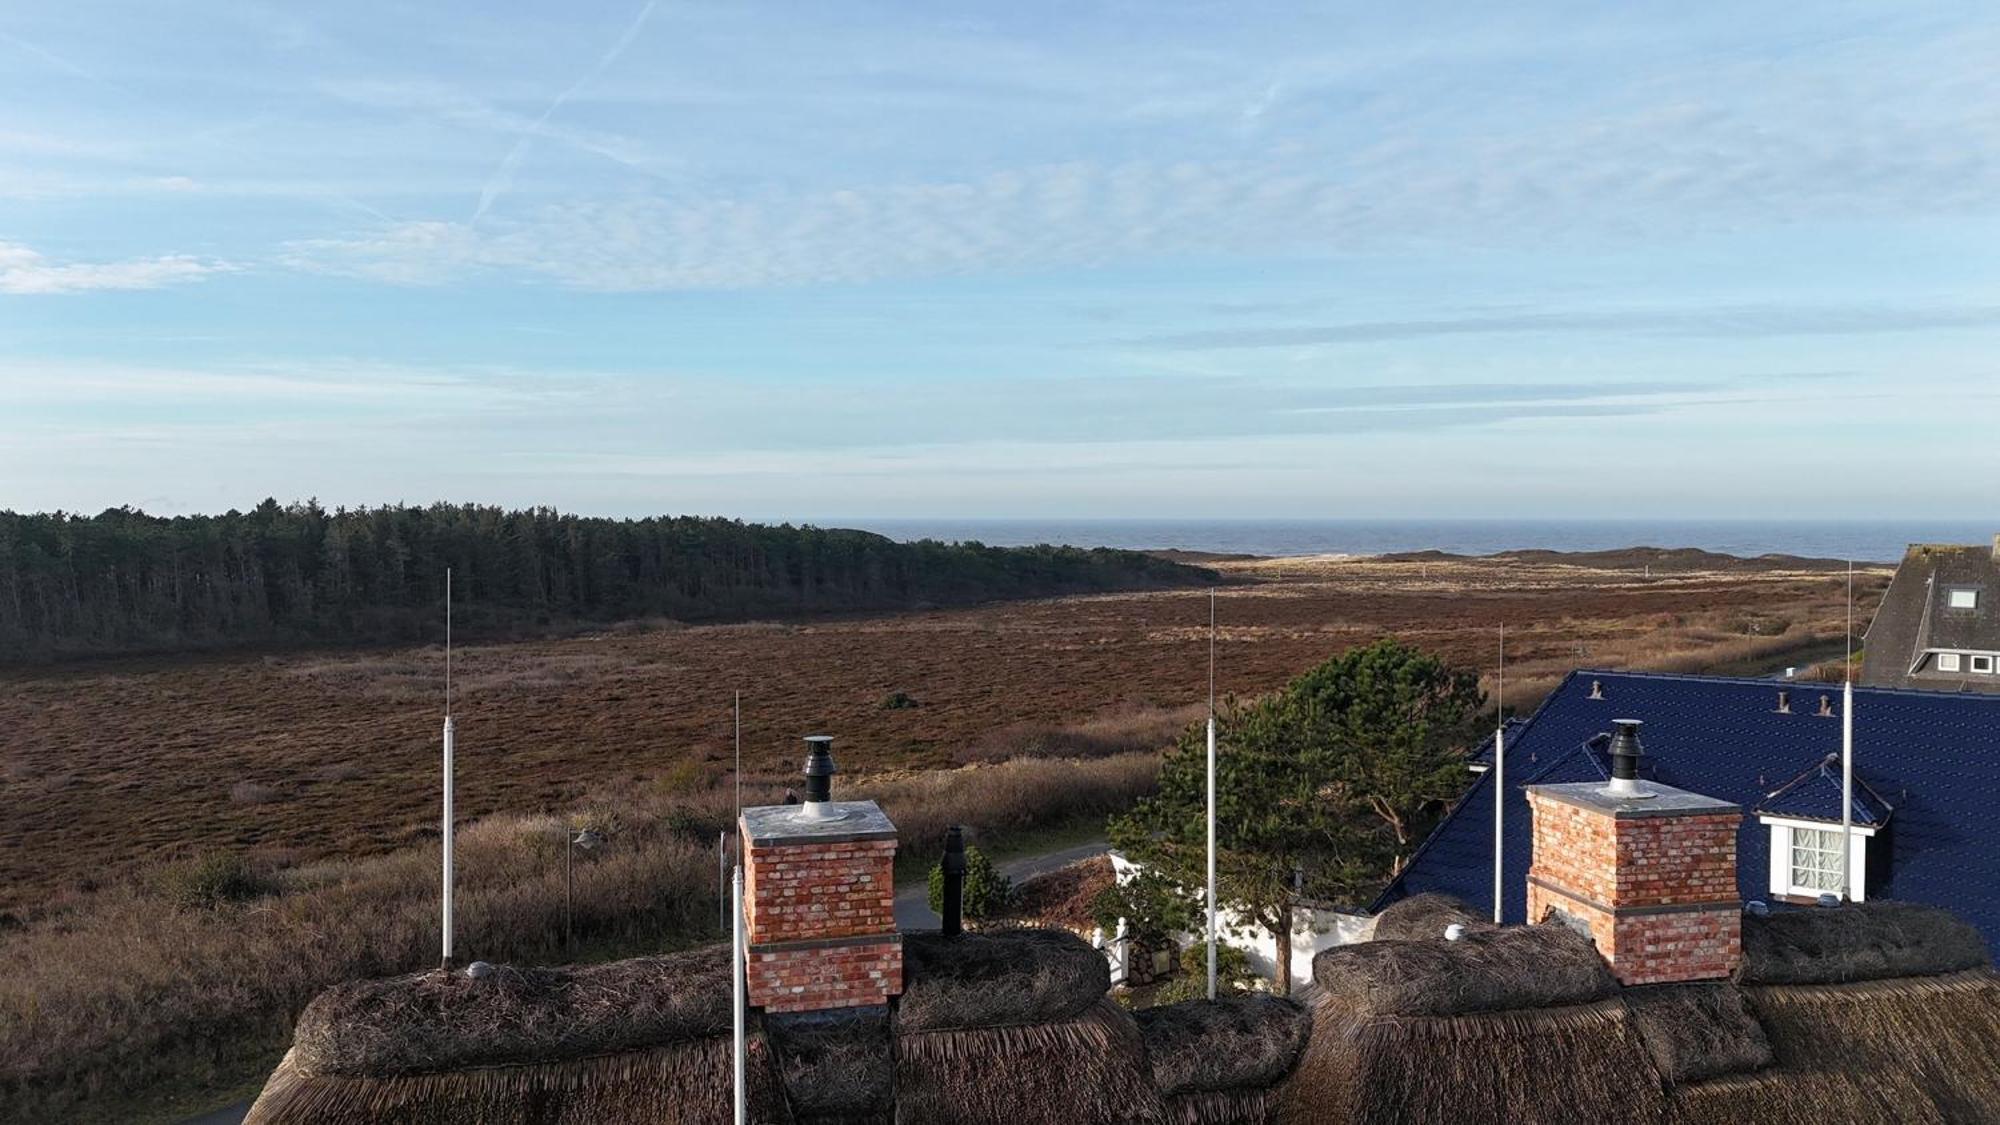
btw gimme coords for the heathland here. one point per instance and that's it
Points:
(191, 846)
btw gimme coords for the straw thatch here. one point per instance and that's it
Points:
(688, 1083)
(1578, 1063)
(1232, 1043)
(1857, 942)
(1486, 971)
(1223, 1107)
(1424, 917)
(837, 1067)
(1025, 976)
(1697, 1031)
(1088, 1070)
(435, 1021)
(1061, 898)
(1937, 1036)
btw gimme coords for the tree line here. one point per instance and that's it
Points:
(123, 581)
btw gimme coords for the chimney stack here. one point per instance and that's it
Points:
(819, 899)
(1648, 872)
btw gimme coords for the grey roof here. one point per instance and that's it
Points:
(1916, 619)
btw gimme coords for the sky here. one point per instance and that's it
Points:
(1150, 260)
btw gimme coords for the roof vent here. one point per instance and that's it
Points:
(1826, 707)
(1625, 753)
(1757, 908)
(819, 773)
(1829, 899)
(1784, 703)
(1597, 689)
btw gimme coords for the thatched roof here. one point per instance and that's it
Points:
(688, 1083)
(1062, 897)
(838, 1067)
(1424, 917)
(1520, 967)
(1230, 1043)
(436, 1021)
(1697, 1031)
(1856, 942)
(1086, 1070)
(1023, 976)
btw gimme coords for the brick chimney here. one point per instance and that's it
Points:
(819, 899)
(1649, 871)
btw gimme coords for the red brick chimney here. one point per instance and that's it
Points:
(819, 900)
(1649, 871)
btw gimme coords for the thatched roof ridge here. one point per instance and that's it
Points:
(1230, 1043)
(1697, 1031)
(1086, 1070)
(1424, 918)
(438, 1021)
(1857, 942)
(1524, 967)
(689, 1083)
(1023, 976)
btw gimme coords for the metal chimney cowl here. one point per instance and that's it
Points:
(1625, 754)
(819, 771)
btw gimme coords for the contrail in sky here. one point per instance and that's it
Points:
(503, 176)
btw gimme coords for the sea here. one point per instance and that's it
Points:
(1858, 540)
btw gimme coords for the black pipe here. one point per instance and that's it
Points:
(1625, 750)
(819, 768)
(954, 880)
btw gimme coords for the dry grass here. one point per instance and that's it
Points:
(123, 993)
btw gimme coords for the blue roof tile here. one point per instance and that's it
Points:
(1932, 757)
(1815, 795)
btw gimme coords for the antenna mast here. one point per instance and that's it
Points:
(1211, 802)
(449, 737)
(1500, 779)
(1847, 751)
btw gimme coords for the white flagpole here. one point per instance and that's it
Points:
(736, 974)
(1847, 752)
(449, 733)
(1211, 800)
(1499, 778)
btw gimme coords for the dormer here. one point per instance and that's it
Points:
(1803, 819)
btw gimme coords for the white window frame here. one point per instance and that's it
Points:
(1970, 594)
(1781, 857)
(1948, 662)
(1982, 663)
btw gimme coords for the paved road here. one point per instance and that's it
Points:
(913, 912)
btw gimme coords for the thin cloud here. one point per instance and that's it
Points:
(503, 176)
(1733, 321)
(24, 271)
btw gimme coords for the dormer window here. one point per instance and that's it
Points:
(1805, 858)
(1962, 597)
(1983, 664)
(1947, 662)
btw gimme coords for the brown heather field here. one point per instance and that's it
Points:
(191, 849)
(108, 768)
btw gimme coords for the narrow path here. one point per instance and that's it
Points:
(913, 912)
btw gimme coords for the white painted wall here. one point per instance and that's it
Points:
(1313, 928)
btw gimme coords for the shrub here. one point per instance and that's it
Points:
(212, 880)
(899, 701)
(1152, 907)
(1232, 975)
(987, 892)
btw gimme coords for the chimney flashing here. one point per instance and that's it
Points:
(1653, 799)
(838, 822)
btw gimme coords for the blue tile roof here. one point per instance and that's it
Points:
(1933, 757)
(1815, 795)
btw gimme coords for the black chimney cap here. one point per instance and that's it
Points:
(819, 769)
(1625, 749)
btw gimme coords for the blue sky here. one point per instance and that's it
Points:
(1035, 259)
